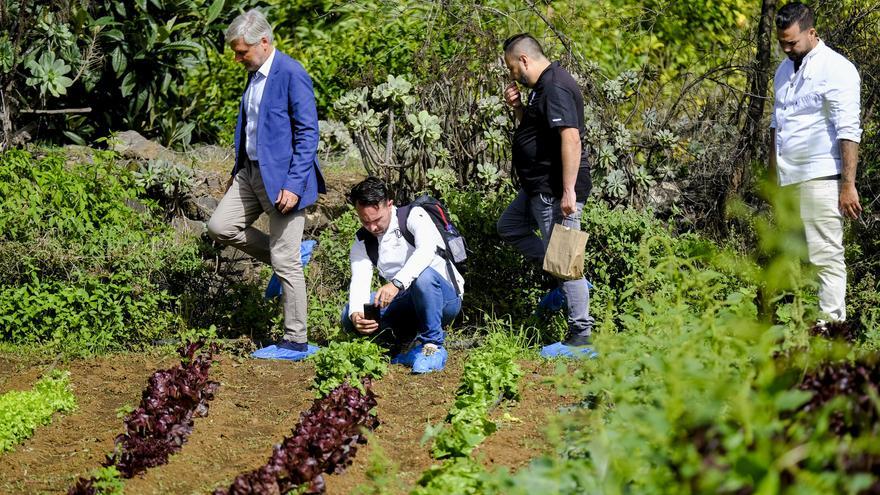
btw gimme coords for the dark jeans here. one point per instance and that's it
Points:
(421, 312)
(517, 227)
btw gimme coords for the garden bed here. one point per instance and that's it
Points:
(258, 403)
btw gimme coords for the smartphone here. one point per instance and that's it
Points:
(371, 312)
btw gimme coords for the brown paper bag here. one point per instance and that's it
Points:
(565, 253)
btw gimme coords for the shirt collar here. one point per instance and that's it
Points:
(546, 71)
(267, 65)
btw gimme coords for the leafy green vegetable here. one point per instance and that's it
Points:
(22, 411)
(350, 362)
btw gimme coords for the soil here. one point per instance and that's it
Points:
(259, 402)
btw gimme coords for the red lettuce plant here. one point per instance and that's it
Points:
(324, 441)
(161, 424)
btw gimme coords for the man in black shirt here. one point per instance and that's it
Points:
(552, 168)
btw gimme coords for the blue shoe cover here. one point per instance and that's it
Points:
(434, 362)
(553, 301)
(407, 358)
(561, 350)
(276, 352)
(273, 288)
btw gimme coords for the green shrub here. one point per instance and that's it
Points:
(82, 269)
(695, 394)
(22, 412)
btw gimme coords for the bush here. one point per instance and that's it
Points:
(82, 269)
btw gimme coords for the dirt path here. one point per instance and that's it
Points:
(259, 402)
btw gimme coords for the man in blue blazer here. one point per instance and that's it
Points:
(276, 171)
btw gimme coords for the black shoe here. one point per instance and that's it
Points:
(578, 341)
(293, 346)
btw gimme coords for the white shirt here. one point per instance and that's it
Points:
(815, 107)
(253, 96)
(397, 258)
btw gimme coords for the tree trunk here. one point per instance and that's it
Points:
(752, 135)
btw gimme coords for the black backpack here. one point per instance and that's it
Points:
(455, 252)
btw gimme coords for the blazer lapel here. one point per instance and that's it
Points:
(267, 88)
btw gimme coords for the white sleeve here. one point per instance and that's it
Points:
(427, 239)
(843, 102)
(361, 276)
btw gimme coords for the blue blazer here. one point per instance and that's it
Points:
(288, 133)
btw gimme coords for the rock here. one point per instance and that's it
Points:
(136, 205)
(316, 219)
(132, 144)
(662, 196)
(187, 227)
(199, 208)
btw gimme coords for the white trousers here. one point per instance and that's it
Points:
(823, 225)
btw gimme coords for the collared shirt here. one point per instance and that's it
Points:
(252, 98)
(554, 103)
(815, 107)
(397, 258)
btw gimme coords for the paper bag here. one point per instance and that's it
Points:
(565, 253)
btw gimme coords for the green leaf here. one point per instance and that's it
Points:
(128, 83)
(118, 61)
(214, 11)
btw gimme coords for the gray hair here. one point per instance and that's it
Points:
(250, 26)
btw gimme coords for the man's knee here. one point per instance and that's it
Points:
(220, 232)
(426, 281)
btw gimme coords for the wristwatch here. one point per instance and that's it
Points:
(397, 283)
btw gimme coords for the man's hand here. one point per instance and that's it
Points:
(568, 206)
(385, 295)
(229, 183)
(286, 201)
(512, 96)
(849, 201)
(363, 325)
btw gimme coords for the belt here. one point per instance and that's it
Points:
(828, 177)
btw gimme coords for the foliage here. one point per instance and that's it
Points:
(165, 180)
(458, 475)
(347, 362)
(104, 481)
(324, 441)
(328, 276)
(695, 394)
(490, 375)
(163, 421)
(125, 59)
(383, 474)
(82, 269)
(21, 412)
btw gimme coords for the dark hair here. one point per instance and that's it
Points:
(795, 12)
(524, 41)
(369, 192)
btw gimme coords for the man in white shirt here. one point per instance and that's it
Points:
(423, 290)
(815, 144)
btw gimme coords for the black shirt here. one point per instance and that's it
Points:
(555, 102)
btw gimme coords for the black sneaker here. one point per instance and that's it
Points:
(578, 341)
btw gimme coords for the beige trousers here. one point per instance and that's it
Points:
(231, 225)
(823, 226)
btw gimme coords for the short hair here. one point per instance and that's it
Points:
(795, 12)
(369, 192)
(523, 42)
(250, 26)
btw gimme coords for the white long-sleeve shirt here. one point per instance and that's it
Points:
(397, 258)
(814, 108)
(252, 99)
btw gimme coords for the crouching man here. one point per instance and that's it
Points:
(423, 290)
